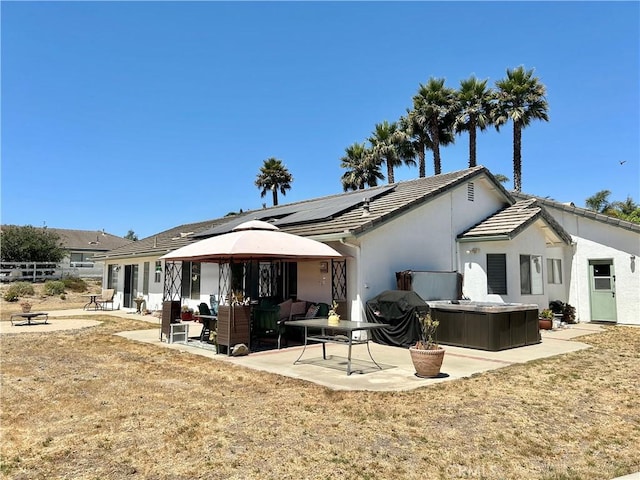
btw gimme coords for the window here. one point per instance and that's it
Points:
(79, 259)
(191, 280)
(158, 272)
(497, 273)
(531, 275)
(112, 277)
(145, 279)
(602, 278)
(554, 271)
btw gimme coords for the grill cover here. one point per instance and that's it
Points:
(397, 308)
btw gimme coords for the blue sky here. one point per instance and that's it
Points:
(148, 115)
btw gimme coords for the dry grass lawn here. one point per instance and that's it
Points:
(90, 405)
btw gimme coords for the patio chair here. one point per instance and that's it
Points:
(209, 325)
(106, 298)
(269, 321)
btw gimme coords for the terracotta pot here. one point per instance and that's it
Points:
(545, 323)
(186, 316)
(26, 308)
(427, 362)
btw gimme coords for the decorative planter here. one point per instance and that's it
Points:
(334, 320)
(427, 362)
(545, 323)
(26, 308)
(185, 316)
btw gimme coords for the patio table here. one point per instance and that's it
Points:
(345, 329)
(29, 318)
(92, 301)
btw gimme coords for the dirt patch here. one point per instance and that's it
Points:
(87, 404)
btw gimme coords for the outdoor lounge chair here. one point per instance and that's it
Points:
(106, 298)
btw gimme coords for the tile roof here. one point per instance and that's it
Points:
(583, 212)
(163, 242)
(512, 220)
(382, 207)
(392, 202)
(92, 240)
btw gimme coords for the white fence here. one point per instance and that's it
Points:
(39, 272)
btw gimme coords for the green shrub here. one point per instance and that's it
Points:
(10, 295)
(18, 289)
(53, 287)
(75, 284)
(63, 296)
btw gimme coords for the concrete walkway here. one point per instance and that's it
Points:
(397, 373)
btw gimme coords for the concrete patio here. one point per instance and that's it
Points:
(397, 373)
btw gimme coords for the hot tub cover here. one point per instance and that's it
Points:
(397, 308)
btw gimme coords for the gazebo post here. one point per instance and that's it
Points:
(171, 296)
(234, 321)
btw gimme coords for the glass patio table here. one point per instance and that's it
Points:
(340, 333)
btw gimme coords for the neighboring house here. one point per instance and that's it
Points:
(462, 222)
(80, 246)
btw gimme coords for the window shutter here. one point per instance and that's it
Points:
(497, 273)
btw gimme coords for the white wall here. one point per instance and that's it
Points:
(627, 281)
(314, 285)
(420, 239)
(531, 241)
(597, 240)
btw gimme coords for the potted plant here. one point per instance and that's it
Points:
(186, 313)
(545, 319)
(426, 354)
(26, 306)
(334, 318)
(566, 312)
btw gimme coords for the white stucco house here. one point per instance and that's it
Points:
(507, 249)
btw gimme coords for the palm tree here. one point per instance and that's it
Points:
(434, 110)
(520, 98)
(599, 202)
(274, 176)
(627, 207)
(362, 169)
(418, 137)
(501, 178)
(475, 104)
(389, 144)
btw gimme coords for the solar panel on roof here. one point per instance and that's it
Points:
(326, 208)
(303, 212)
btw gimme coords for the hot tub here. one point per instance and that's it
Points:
(485, 325)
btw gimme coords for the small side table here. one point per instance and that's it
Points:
(178, 332)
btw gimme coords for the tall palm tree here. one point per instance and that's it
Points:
(362, 169)
(389, 144)
(434, 108)
(274, 176)
(521, 99)
(418, 137)
(475, 104)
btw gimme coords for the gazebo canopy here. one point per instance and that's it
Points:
(253, 240)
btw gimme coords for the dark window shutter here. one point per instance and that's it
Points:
(497, 273)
